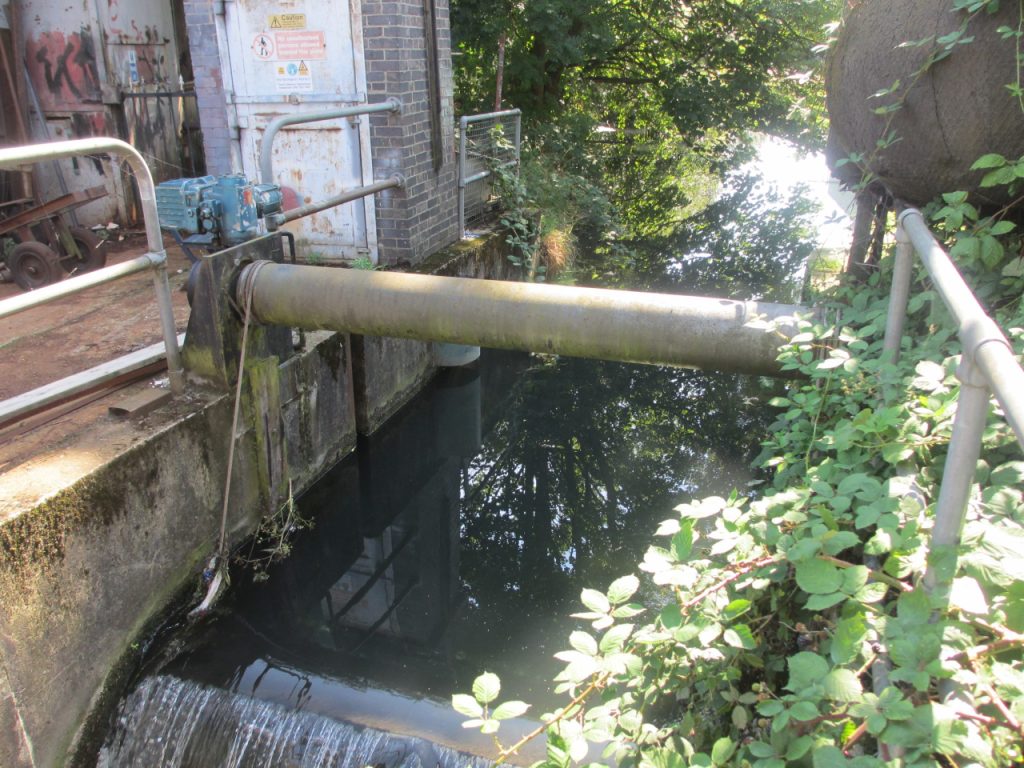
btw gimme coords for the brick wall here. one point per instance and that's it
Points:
(213, 116)
(419, 220)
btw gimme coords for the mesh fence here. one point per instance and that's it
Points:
(488, 144)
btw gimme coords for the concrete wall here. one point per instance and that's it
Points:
(84, 573)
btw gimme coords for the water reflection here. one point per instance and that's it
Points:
(458, 538)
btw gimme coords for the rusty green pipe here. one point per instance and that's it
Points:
(690, 331)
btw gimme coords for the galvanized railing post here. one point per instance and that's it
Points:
(518, 139)
(972, 405)
(463, 125)
(156, 258)
(899, 294)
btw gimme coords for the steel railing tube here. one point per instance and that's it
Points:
(586, 322)
(899, 295)
(74, 285)
(983, 343)
(463, 123)
(972, 406)
(267, 145)
(14, 157)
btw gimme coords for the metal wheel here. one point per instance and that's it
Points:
(92, 257)
(33, 265)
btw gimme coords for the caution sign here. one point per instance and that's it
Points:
(302, 44)
(286, 21)
(293, 77)
(263, 46)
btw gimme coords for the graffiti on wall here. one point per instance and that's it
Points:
(63, 67)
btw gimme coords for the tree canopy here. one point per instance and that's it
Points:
(629, 92)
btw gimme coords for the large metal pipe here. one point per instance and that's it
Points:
(267, 145)
(691, 331)
(15, 157)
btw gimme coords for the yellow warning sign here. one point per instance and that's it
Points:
(287, 21)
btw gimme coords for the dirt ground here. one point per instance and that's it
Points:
(75, 333)
(46, 452)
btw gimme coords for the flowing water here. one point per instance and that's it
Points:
(166, 721)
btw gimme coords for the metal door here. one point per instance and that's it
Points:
(286, 58)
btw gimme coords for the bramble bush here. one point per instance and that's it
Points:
(792, 626)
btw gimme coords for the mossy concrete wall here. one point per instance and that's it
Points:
(82, 574)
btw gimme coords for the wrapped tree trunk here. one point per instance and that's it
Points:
(943, 116)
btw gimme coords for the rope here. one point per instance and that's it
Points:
(234, 430)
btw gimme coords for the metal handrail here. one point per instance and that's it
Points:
(987, 366)
(155, 260)
(464, 122)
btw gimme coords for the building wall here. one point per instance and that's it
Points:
(81, 58)
(417, 221)
(419, 143)
(210, 96)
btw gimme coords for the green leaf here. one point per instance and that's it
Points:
(836, 541)
(805, 669)
(821, 602)
(804, 711)
(817, 577)
(848, 638)
(842, 685)
(740, 636)
(760, 749)
(490, 726)
(984, 162)
(682, 542)
(722, 750)
(798, 748)
(615, 637)
(736, 608)
(510, 709)
(829, 757)
(914, 607)
(622, 589)
(466, 705)
(584, 643)
(486, 687)
(595, 601)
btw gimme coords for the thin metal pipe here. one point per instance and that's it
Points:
(899, 295)
(13, 157)
(267, 145)
(958, 474)
(490, 115)
(983, 342)
(463, 124)
(585, 322)
(73, 285)
(395, 181)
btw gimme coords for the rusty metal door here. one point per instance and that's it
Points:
(283, 62)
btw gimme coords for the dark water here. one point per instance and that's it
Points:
(456, 540)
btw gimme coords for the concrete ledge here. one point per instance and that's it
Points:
(84, 570)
